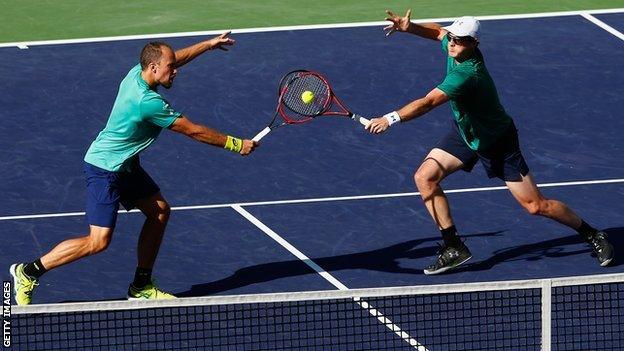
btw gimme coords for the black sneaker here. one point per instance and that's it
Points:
(601, 248)
(449, 257)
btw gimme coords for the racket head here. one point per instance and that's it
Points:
(291, 106)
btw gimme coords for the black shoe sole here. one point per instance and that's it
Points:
(606, 263)
(442, 270)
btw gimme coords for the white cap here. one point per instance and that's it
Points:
(464, 26)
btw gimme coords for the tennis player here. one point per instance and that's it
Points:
(481, 131)
(114, 174)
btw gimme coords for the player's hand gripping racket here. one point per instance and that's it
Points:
(304, 95)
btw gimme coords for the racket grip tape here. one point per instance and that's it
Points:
(364, 121)
(261, 135)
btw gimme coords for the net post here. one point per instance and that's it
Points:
(546, 314)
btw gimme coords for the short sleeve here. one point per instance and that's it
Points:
(136, 69)
(445, 44)
(456, 84)
(157, 110)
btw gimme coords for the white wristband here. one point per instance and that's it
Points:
(392, 117)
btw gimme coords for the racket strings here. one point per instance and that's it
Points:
(292, 96)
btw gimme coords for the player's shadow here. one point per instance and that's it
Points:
(385, 260)
(553, 248)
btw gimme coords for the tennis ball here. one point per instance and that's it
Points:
(307, 97)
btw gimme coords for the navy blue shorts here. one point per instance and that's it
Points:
(106, 190)
(501, 160)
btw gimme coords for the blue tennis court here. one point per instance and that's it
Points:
(341, 197)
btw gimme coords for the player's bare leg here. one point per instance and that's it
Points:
(73, 249)
(528, 195)
(26, 275)
(438, 165)
(156, 211)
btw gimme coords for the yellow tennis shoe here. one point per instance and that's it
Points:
(148, 292)
(23, 285)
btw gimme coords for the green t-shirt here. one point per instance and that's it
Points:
(137, 117)
(474, 101)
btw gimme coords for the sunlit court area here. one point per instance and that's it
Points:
(243, 175)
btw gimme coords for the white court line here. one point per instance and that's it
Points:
(300, 255)
(322, 199)
(603, 25)
(330, 278)
(26, 44)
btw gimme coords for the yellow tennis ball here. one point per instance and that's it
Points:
(307, 97)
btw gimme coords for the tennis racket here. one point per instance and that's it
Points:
(292, 108)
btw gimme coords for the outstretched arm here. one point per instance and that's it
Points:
(210, 136)
(414, 109)
(186, 55)
(432, 31)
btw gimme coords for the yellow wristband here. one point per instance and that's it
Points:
(233, 144)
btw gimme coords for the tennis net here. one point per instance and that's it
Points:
(576, 313)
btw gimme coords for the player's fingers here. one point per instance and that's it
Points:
(224, 35)
(390, 13)
(408, 13)
(246, 151)
(374, 124)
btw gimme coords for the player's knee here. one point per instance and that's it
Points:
(537, 207)
(164, 211)
(532, 208)
(98, 243)
(425, 180)
(160, 212)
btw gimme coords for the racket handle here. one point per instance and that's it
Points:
(261, 135)
(364, 121)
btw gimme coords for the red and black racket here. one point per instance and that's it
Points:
(304, 95)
